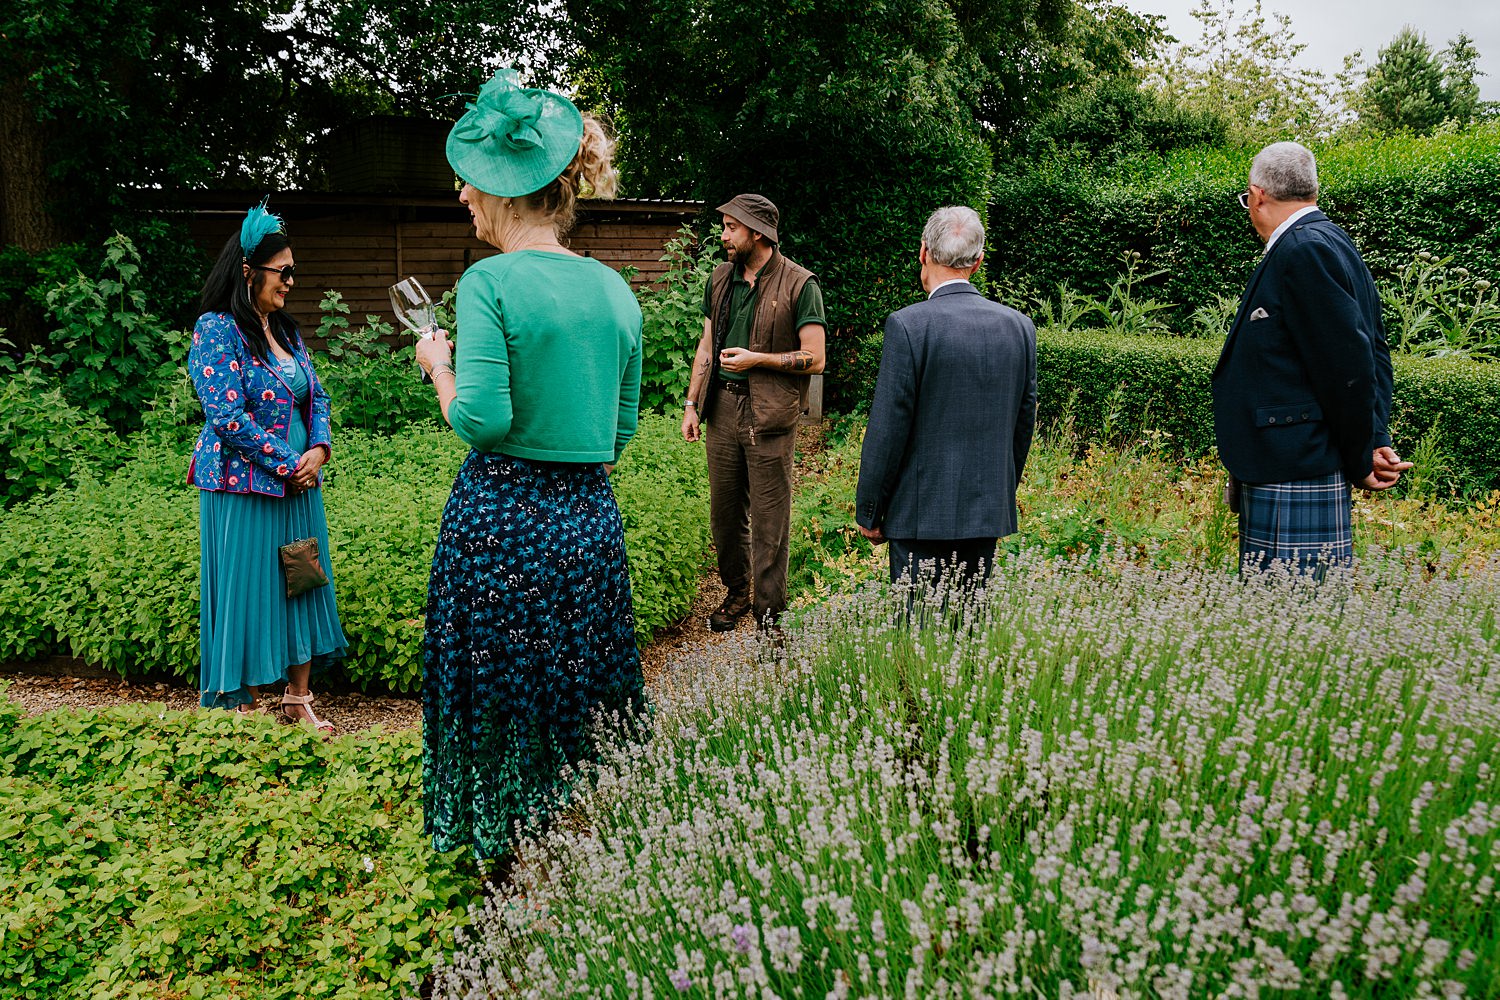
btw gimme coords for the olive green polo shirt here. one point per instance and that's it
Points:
(742, 310)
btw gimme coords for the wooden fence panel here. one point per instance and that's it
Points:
(360, 250)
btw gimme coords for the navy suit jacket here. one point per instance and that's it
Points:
(952, 419)
(1303, 386)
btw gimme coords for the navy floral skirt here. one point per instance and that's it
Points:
(530, 632)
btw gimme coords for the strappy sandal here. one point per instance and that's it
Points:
(305, 701)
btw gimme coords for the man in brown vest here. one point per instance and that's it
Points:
(763, 334)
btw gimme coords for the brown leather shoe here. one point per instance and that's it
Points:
(735, 607)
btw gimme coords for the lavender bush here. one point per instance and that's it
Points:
(1099, 779)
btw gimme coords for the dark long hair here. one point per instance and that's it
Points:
(227, 291)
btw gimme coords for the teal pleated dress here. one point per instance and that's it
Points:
(249, 631)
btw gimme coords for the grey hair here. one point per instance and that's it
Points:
(954, 236)
(1286, 171)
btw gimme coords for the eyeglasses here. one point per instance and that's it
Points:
(1244, 199)
(287, 273)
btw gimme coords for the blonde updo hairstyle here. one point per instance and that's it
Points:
(591, 174)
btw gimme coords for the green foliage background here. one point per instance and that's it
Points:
(857, 121)
(1396, 197)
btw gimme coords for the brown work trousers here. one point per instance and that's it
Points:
(750, 502)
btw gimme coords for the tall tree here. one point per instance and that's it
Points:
(107, 96)
(1412, 89)
(858, 119)
(1033, 57)
(1246, 69)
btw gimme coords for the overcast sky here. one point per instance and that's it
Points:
(1331, 29)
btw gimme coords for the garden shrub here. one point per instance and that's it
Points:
(106, 344)
(171, 421)
(827, 553)
(662, 487)
(372, 387)
(108, 571)
(146, 853)
(672, 321)
(26, 276)
(47, 441)
(1396, 196)
(1112, 780)
(1113, 388)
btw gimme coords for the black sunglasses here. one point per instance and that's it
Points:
(287, 273)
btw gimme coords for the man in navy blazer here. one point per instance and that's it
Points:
(1302, 390)
(952, 419)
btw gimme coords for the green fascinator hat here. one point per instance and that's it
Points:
(258, 224)
(514, 140)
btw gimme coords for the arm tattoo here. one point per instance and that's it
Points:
(796, 361)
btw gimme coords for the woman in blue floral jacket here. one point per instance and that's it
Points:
(258, 467)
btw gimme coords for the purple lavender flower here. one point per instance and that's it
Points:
(743, 937)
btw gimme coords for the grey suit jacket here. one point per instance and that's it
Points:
(952, 419)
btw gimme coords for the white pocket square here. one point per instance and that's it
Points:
(1259, 313)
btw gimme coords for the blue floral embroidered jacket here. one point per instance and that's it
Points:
(243, 446)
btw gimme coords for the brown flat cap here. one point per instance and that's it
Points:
(754, 211)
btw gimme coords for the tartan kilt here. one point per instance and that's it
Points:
(1306, 522)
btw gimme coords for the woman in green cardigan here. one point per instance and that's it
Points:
(529, 621)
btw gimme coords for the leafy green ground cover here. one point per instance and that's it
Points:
(193, 854)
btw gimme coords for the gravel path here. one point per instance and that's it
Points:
(350, 711)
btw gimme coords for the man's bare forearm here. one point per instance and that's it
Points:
(702, 363)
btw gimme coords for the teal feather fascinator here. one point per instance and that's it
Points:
(258, 224)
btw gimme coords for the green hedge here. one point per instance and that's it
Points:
(1395, 196)
(1113, 388)
(108, 571)
(150, 854)
(662, 487)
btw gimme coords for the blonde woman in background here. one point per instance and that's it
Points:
(530, 628)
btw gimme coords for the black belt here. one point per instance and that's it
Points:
(737, 388)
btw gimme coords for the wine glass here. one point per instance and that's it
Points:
(414, 310)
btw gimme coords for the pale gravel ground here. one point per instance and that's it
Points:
(352, 711)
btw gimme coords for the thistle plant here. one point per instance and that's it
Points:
(1125, 310)
(1432, 309)
(1096, 779)
(1067, 312)
(1212, 319)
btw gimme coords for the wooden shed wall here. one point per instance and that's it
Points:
(360, 251)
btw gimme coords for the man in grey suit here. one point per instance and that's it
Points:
(954, 409)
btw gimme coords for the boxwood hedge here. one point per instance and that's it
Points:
(108, 570)
(1114, 387)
